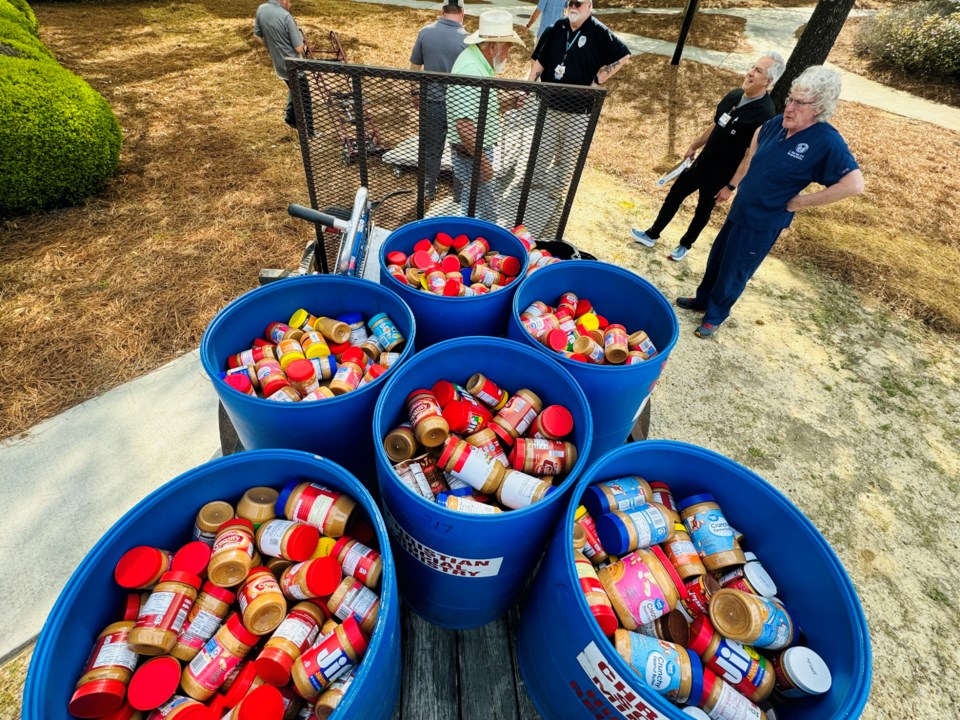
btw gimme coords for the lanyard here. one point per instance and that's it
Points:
(570, 42)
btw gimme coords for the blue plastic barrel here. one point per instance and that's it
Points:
(337, 428)
(573, 671)
(441, 318)
(91, 599)
(454, 569)
(616, 393)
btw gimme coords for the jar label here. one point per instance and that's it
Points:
(112, 651)
(710, 532)
(170, 705)
(212, 665)
(266, 584)
(165, 610)
(197, 631)
(628, 493)
(387, 334)
(641, 594)
(490, 394)
(358, 334)
(695, 601)
(313, 505)
(657, 662)
(329, 662)
(207, 538)
(348, 374)
(234, 540)
(682, 552)
(271, 537)
(518, 490)
(359, 600)
(777, 629)
(738, 664)
(518, 414)
(650, 525)
(359, 561)
(413, 477)
(469, 505)
(288, 583)
(731, 705)
(474, 467)
(299, 627)
(664, 497)
(423, 406)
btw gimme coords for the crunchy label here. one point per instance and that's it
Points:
(441, 562)
(615, 690)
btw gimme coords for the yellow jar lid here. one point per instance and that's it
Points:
(580, 512)
(679, 527)
(324, 547)
(298, 318)
(589, 321)
(317, 350)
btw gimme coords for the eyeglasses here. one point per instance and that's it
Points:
(576, 3)
(801, 103)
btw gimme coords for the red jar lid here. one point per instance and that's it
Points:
(300, 371)
(363, 531)
(196, 712)
(579, 358)
(452, 288)
(424, 246)
(219, 593)
(460, 242)
(217, 706)
(235, 626)
(264, 703)
(154, 683)
(510, 264)
(338, 349)
(443, 239)
(338, 546)
(518, 456)
(458, 414)
(241, 685)
(272, 383)
(96, 699)
(274, 666)
(668, 566)
(376, 370)
(241, 522)
(506, 437)
(556, 421)
(355, 635)
(192, 558)
(450, 264)
(125, 712)
(262, 342)
(449, 445)
(182, 577)
(396, 258)
(606, 619)
(709, 680)
(139, 566)
(355, 355)
(603, 322)
(556, 340)
(583, 307)
(239, 382)
(131, 607)
(302, 542)
(444, 392)
(323, 576)
(412, 395)
(701, 633)
(422, 260)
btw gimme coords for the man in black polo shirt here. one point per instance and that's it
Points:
(724, 144)
(576, 50)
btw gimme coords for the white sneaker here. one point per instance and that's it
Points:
(679, 253)
(641, 237)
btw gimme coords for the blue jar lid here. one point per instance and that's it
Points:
(613, 534)
(442, 499)
(373, 321)
(465, 491)
(550, 491)
(284, 496)
(696, 684)
(595, 501)
(351, 318)
(693, 500)
(466, 272)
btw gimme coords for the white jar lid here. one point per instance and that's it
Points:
(807, 670)
(695, 712)
(758, 577)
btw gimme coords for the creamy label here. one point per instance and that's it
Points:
(740, 665)
(359, 560)
(469, 505)
(358, 601)
(731, 705)
(617, 692)
(271, 537)
(112, 650)
(518, 489)
(299, 628)
(441, 562)
(196, 632)
(474, 467)
(657, 662)
(710, 532)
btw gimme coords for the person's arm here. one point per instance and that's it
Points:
(608, 71)
(536, 70)
(414, 91)
(467, 131)
(536, 14)
(849, 185)
(701, 140)
(725, 192)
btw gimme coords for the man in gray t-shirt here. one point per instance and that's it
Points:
(275, 27)
(437, 47)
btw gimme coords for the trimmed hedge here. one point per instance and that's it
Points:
(59, 139)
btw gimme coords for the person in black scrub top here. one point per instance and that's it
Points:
(577, 50)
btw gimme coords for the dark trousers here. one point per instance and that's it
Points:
(734, 258)
(289, 116)
(434, 137)
(694, 179)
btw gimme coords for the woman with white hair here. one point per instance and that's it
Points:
(787, 153)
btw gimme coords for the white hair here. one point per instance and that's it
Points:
(775, 71)
(823, 84)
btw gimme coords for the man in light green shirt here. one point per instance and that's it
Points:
(485, 56)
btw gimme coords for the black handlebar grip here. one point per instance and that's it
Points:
(311, 215)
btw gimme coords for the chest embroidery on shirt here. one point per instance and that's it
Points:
(798, 152)
(581, 42)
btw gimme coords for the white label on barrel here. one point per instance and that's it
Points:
(614, 688)
(436, 560)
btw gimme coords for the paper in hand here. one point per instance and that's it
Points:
(673, 173)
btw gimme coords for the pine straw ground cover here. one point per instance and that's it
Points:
(97, 295)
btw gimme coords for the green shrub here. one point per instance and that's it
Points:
(15, 31)
(20, 12)
(922, 39)
(59, 139)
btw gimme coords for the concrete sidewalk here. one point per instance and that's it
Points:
(67, 480)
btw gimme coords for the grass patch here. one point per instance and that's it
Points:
(723, 33)
(12, 676)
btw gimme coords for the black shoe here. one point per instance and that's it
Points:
(688, 303)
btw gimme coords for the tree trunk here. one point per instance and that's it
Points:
(814, 44)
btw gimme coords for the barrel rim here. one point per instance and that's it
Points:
(853, 704)
(597, 266)
(506, 345)
(208, 356)
(387, 279)
(35, 687)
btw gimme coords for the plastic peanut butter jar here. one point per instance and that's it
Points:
(262, 605)
(426, 416)
(752, 619)
(710, 532)
(642, 587)
(257, 505)
(623, 532)
(326, 509)
(669, 669)
(161, 619)
(740, 665)
(233, 552)
(209, 519)
(622, 494)
(334, 656)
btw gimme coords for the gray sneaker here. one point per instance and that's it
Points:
(679, 253)
(641, 237)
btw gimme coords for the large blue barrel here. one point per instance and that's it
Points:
(336, 428)
(454, 569)
(572, 671)
(616, 393)
(91, 599)
(441, 318)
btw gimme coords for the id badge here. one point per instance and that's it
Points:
(724, 119)
(558, 73)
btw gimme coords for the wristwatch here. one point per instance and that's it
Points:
(730, 187)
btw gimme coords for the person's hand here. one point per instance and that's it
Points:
(724, 194)
(486, 169)
(690, 154)
(527, 30)
(794, 204)
(415, 101)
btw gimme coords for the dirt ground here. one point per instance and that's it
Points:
(845, 404)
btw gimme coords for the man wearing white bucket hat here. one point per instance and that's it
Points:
(485, 56)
